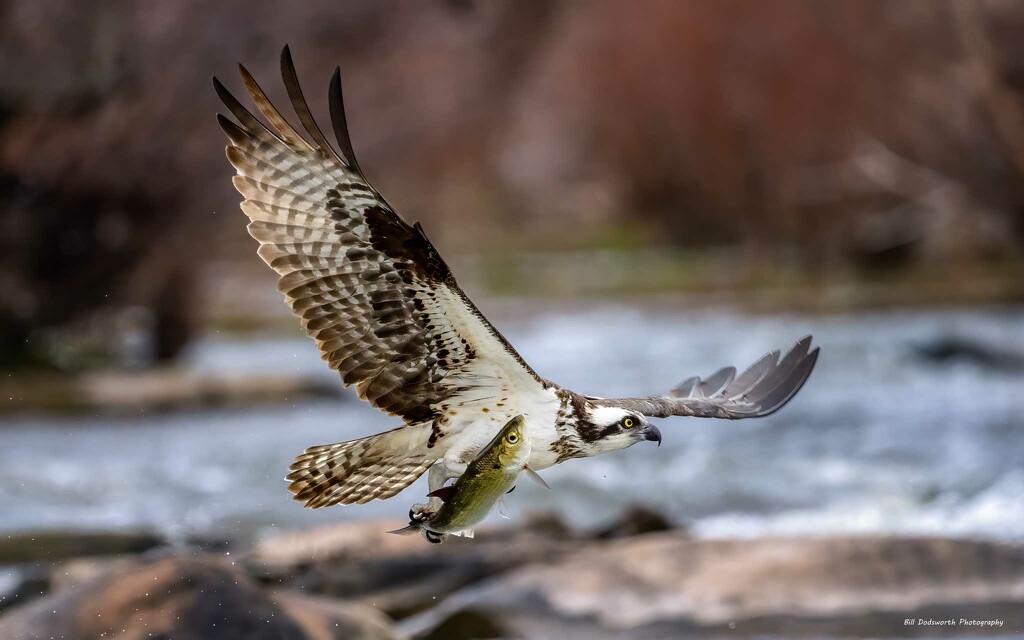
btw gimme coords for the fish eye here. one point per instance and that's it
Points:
(628, 422)
(512, 438)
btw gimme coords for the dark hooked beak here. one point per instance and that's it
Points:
(652, 433)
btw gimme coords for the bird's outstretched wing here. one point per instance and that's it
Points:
(764, 388)
(379, 300)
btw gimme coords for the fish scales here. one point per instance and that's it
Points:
(485, 482)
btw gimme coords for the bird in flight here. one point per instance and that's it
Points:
(387, 314)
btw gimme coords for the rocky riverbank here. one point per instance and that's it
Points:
(540, 579)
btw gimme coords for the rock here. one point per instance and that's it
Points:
(468, 624)
(545, 523)
(49, 546)
(187, 597)
(660, 584)
(39, 560)
(638, 520)
(334, 619)
(397, 574)
(81, 571)
(21, 584)
(952, 349)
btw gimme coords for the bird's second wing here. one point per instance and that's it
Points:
(370, 289)
(764, 388)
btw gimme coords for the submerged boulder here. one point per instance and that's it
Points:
(951, 349)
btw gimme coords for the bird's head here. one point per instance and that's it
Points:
(604, 428)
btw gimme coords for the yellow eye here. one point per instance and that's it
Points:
(512, 438)
(628, 422)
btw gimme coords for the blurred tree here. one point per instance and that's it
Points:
(83, 203)
(796, 132)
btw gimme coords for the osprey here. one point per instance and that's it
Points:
(387, 314)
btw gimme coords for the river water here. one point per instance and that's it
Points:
(880, 439)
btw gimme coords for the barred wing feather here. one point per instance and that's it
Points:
(370, 289)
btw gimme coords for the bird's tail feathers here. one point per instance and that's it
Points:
(358, 471)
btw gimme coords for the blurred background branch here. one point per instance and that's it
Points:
(554, 127)
(1002, 101)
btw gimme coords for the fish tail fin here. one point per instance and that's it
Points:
(412, 529)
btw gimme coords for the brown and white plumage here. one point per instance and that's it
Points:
(370, 289)
(361, 470)
(387, 314)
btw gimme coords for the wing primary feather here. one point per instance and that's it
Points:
(291, 84)
(785, 391)
(685, 388)
(235, 133)
(761, 390)
(778, 376)
(753, 376)
(249, 122)
(285, 130)
(340, 124)
(718, 381)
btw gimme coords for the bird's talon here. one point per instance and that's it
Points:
(421, 513)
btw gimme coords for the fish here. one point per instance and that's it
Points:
(488, 477)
